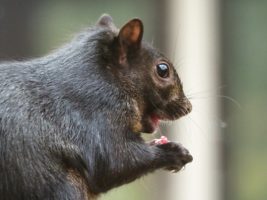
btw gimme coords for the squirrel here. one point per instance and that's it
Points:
(71, 121)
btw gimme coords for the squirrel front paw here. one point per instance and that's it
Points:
(174, 156)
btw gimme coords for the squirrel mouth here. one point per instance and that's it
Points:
(151, 123)
(155, 119)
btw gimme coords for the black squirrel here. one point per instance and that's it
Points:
(71, 122)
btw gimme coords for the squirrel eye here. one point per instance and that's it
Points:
(163, 70)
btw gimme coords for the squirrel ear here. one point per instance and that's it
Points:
(130, 37)
(131, 33)
(106, 21)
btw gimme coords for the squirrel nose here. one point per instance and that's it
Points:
(187, 106)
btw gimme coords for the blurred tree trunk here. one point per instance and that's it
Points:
(15, 36)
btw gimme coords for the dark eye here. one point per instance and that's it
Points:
(163, 70)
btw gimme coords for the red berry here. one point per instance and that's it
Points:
(162, 140)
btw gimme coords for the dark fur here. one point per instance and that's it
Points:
(66, 120)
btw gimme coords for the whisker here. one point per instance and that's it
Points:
(152, 41)
(174, 48)
(203, 134)
(190, 93)
(179, 64)
(235, 102)
(231, 100)
(218, 120)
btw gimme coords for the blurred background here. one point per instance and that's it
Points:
(220, 50)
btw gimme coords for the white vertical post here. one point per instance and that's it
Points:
(193, 26)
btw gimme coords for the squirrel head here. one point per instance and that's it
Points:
(144, 75)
